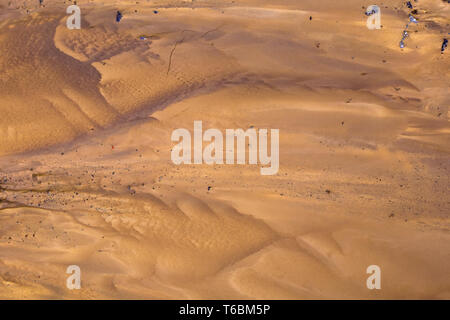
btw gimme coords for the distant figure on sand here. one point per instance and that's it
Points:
(118, 16)
(444, 45)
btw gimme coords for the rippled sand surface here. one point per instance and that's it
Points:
(86, 177)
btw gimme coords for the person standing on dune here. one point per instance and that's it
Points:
(118, 16)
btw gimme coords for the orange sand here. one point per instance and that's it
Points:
(86, 176)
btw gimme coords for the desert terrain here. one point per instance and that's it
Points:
(86, 176)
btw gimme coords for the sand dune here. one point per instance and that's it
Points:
(86, 176)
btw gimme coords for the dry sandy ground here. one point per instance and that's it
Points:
(86, 176)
